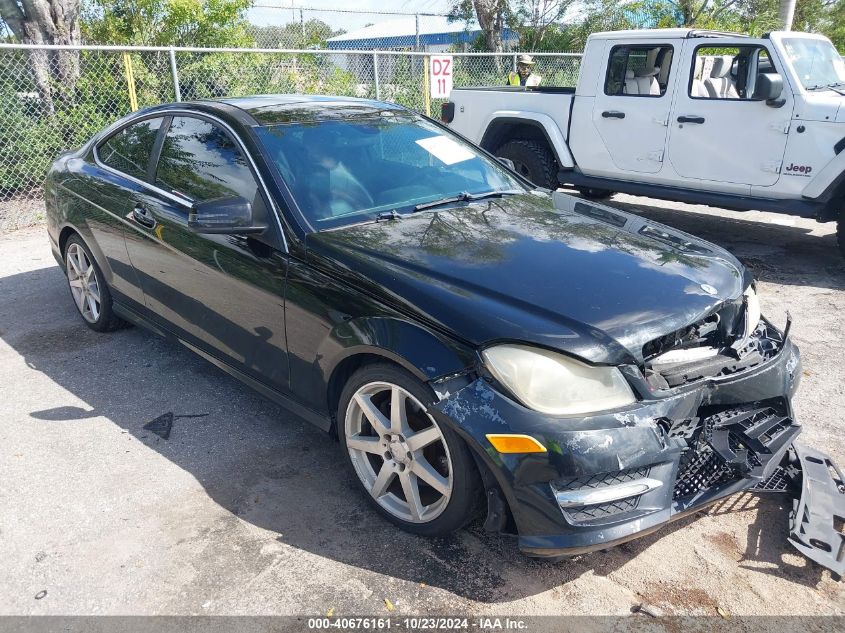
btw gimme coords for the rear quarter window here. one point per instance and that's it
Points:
(129, 150)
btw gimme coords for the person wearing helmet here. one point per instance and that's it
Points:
(524, 75)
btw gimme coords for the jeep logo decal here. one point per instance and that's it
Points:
(798, 170)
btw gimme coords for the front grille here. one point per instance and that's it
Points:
(700, 470)
(780, 481)
(594, 512)
(600, 480)
(729, 444)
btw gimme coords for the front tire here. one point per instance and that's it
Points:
(532, 160)
(88, 287)
(417, 472)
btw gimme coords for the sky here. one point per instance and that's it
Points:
(274, 12)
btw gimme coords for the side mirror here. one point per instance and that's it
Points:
(768, 88)
(507, 162)
(223, 215)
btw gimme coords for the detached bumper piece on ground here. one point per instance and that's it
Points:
(817, 522)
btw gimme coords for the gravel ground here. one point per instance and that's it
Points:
(245, 510)
(18, 214)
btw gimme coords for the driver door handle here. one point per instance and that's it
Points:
(143, 217)
(690, 119)
(613, 114)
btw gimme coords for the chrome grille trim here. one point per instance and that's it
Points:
(607, 494)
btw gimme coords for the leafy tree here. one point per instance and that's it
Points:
(312, 33)
(745, 16)
(835, 28)
(168, 22)
(492, 17)
(541, 27)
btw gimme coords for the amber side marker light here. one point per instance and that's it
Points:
(509, 443)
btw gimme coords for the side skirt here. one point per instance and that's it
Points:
(321, 421)
(802, 208)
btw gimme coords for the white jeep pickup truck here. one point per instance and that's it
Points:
(680, 114)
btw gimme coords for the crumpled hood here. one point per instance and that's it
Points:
(546, 269)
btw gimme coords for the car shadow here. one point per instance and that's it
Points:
(267, 467)
(767, 551)
(790, 255)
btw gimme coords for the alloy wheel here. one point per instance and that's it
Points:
(398, 452)
(83, 282)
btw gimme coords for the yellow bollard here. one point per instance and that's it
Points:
(130, 81)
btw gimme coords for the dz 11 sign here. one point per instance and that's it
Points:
(441, 76)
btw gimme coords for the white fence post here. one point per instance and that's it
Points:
(175, 73)
(375, 73)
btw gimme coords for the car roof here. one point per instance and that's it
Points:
(291, 108)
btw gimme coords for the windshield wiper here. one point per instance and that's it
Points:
(834, 86)
(464, 196)
(388, 215)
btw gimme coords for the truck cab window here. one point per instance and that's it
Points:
(728, 72)
(638, 71)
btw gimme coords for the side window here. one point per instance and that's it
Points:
(638, 71)
(728, 72)
(199, 161)
(129, 150)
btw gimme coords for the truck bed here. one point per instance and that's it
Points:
(476, 107)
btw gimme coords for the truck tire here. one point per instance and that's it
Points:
(532, 160)
(594, 193)
(840, 232)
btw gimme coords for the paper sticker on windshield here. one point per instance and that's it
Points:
(445, 149)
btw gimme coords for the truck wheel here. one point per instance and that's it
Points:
(840, 233)
(594, 193)
(532, 160)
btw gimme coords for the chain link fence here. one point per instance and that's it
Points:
(54, 98)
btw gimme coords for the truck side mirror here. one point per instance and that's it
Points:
(768, 88)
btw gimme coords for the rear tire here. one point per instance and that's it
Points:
(532, 160)
(840, 233)
(594, 193)
(385, 451)
(88, 288)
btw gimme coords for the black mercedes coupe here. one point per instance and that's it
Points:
(576, 375)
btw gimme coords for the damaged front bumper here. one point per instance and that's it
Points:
(611, 477)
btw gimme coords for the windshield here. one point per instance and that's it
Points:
(816, 62)
(344, 172)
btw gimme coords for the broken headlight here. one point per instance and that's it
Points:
(752, 311)
(553, 383)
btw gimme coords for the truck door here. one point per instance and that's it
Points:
(719, 132)
(631, 110)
